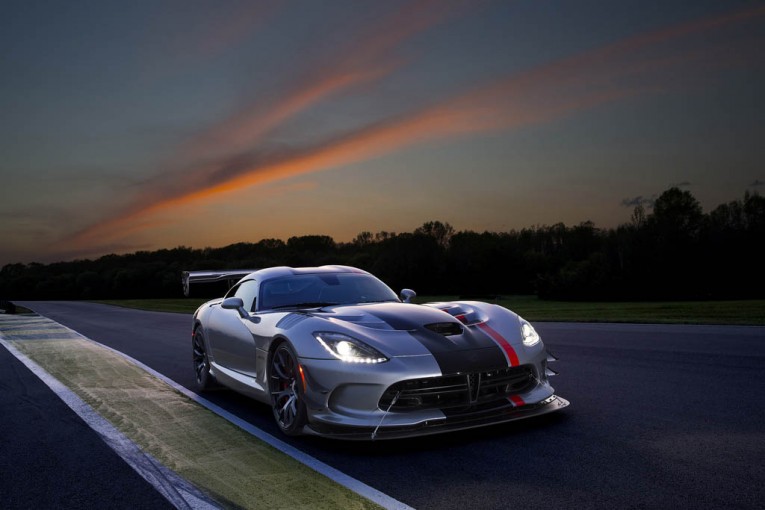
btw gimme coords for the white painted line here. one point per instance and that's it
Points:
(336, 475)
(175, 489)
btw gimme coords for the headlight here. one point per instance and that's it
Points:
(346, 348)
(528, 334)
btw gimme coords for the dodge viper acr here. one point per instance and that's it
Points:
(335, 352)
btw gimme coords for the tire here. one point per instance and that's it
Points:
(286, 388)
(201, 360)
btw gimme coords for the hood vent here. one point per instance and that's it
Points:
(445, 328)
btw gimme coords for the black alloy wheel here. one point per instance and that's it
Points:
(204, 379)
(285, 385)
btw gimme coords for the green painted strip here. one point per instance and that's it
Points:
(232, 466)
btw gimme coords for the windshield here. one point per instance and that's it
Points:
(312, 290)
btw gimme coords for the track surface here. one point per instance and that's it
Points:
(661, 416)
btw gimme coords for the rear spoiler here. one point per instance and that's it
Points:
(230, 275)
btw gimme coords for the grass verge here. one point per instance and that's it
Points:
(748, 312)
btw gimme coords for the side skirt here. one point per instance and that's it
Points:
(239, 382)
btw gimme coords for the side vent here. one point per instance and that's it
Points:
(290, 320)
(445, 328)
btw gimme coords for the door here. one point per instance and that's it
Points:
(231, 342)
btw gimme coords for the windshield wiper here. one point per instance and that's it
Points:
(304, 305)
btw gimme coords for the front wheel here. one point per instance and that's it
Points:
(204, 378)
(285, 385)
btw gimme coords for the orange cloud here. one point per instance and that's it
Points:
(364, 59)
(622, 69)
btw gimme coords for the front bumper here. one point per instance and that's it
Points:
(344, 400)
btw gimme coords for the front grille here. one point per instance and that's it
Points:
(457, 391)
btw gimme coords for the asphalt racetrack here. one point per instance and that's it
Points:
(660, 417)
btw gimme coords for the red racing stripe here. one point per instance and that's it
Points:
(512, 357)
(516, 400)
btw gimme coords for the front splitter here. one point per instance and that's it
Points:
(448, 424)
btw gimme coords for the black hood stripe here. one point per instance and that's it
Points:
(455, 360)
(472, 351)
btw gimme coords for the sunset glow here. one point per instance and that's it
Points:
(379, 124)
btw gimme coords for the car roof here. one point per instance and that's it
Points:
(277, 272)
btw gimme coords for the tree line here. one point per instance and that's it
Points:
(672, 251)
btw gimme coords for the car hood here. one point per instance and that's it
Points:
(403, 329)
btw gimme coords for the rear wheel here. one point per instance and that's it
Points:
(285, 385)
(204, 378)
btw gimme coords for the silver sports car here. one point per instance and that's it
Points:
(336, 353)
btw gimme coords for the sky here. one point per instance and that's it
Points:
(143, 125)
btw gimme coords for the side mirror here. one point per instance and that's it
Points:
(407, 295)
(235, 303)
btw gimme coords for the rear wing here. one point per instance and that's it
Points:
(229, 275)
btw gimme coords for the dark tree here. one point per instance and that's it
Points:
(673, 251)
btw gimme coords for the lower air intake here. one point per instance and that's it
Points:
(455, 391)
